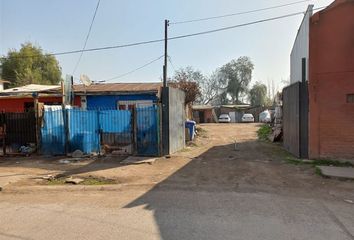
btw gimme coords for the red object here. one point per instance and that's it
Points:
(331, 82)
(20, 104)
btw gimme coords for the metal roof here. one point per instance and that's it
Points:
(202, 107)
(31, 88)
(118, 87)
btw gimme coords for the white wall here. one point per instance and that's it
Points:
(301, 48)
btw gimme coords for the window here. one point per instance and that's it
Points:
(130, 105)
(350, 98)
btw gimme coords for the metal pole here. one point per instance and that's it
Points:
(165, 62)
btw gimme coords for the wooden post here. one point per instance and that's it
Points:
(36, 114)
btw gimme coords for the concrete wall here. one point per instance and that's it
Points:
(331, 123)
(176, 120)
(300, 49)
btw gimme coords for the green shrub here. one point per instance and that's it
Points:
(264, 131)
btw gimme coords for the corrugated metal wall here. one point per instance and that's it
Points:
(147, 130)
(176, 120)
(295, 119)
(291, 120)
(87, 130)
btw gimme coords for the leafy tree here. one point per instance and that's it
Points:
(30, 65)
(212, 89)
(258, 95)
(187, 79)
(238, 75)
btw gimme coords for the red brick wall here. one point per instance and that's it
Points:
(331, 78)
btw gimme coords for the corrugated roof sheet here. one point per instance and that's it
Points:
(31, 88)
(119, 87)
(202, 107)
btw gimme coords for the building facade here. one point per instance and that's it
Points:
(331, 82)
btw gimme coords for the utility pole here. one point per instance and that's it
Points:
(165, 62)
(165, 132)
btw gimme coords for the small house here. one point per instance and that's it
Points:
(204, 114)
(121, 96)
(21, 99)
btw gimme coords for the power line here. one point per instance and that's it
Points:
(87, 36)
(238, 13)
(132, 71)
(171, 38)
(239, 25)
(169, 59)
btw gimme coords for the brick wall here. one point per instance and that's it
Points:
(331, 69)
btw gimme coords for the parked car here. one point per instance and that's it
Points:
(224, 118)
(265, 117)
(247, 117)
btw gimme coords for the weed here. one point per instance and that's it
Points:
(318, 171)
(201, 132)
(314, 163)
(87, 181)
(264, 131)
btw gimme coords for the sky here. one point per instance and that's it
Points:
(62, 25)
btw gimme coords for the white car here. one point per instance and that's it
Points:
(247, 117)
(265, 117)
(224, 118)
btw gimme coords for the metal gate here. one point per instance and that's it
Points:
(19, 128)
(295, 119)
(125, 131)
(147, 130)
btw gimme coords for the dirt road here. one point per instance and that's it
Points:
(207, 191)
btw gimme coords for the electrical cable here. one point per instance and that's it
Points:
(238, 13)
(132, 71)
(172, 38)
(87, 36)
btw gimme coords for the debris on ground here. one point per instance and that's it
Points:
(77, 154)
(138, 160)
(349, 201)
(47, 177)
(69, 160)
(74, 180)
(337, 172)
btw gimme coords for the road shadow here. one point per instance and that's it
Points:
(196, 201)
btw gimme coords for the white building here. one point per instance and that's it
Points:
(301, 49)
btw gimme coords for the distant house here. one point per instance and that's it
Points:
(122, 96)
(318, 108)
(204, 114)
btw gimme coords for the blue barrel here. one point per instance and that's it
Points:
(190, 125)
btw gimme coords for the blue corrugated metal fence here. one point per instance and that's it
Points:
(87, 130)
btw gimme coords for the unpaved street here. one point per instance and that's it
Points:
(214, 190)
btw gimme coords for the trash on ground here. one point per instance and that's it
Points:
(74, 180)
(138, 160)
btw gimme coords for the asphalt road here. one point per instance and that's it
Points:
(174, 214)
(208, 192)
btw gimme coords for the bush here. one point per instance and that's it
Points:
(264, 131)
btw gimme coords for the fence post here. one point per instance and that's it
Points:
(135, 130)
(3, 119)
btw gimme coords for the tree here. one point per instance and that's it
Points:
(258, 95)
(212, 89)
(187, 79)
(30, 65)
(238, 75)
